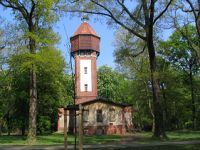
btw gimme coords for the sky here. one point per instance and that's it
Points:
(68, 25)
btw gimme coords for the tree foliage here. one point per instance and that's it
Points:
(36, 19)
(113, 86)
(175, 58)
(179, 52)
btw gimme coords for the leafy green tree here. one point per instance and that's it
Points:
(5, 90)
(50, 68)
(174, 94)
(36, 19)
(190, 8)
(6, 101)
(139, 20)
(183, 13)
(179, 52)
(112, 85)
(136, 69)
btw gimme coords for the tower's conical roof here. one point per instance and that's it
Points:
(85, 38)
(85, 28)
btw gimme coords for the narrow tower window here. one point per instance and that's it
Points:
(86, 87)
(85, 70)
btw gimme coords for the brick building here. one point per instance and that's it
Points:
(100, 116)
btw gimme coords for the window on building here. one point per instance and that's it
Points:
(112, 116)
(85, 115)
(86, 87)
(85, 70)
(99, 115)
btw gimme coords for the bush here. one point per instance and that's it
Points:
(188, 125)
(44, 124)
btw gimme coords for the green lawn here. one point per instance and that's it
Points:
(57, 139)
(184, 135)
(146, 137)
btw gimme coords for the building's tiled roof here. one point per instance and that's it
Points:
(85, 28)
(103, 100)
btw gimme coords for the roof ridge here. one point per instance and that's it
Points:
(85, 28)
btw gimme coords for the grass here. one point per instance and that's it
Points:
(145, 137)
(184, 135)
(57, 139)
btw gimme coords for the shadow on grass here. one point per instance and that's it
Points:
(102, 139)
(57, 139)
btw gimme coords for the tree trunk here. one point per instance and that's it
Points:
(33, 97)
(0, 127)
(152, 114)
(150, 106)
(198, 19)
(32, 106)
(157, 104)
(165, 112)
(8, 123)
(23, 129)
(192, 100)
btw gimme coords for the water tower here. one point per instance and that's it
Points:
(85, 50)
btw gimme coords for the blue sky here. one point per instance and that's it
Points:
(68, 25)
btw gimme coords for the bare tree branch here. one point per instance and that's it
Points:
(2, 47)
(160, 15)
(189, 10)
(89, 12)
(192, 7)
(135, 55)
(196, 15)
(17, 6)
(130, 15)
(110, 14)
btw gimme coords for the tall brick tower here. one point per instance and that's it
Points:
(85, 49)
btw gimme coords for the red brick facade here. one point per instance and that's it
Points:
(91, 127)
(108, 130)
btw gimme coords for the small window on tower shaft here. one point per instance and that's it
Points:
(85, 70)
(86, 87)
